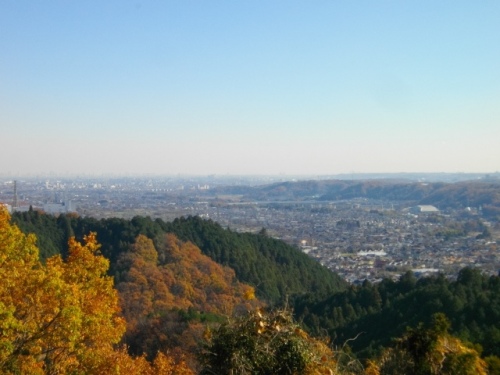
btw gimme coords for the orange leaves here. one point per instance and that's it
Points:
(198, 281)
(152, 292)
(58, 318)
(166, 365)
(372, 368)
(187, 279)
(86, 261)
(120, 363)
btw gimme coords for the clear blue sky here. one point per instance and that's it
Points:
(249, 87)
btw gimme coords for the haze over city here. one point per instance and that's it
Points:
(281, 87)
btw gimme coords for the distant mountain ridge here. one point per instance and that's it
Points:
(441, 194)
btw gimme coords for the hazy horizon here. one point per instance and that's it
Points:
(249, 88)
(416, 176)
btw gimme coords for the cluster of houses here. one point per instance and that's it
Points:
(358, 238)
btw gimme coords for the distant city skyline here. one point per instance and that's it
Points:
(249, 88)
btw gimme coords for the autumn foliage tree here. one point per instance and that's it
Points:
(62, 317)
(267, 343)
(167, 290)
(429, 351)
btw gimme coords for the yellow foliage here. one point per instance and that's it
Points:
(62, 318)
(449, 349)
(430, 351)
(249, 293)
(372, 368)
(265, 343)
(166, 365)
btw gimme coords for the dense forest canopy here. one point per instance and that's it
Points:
(384, 310)
(177, 281)
(276, 270)
(63, 317)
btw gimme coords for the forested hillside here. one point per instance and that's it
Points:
(275, 269)
(176, 299)
(443, 195)
(376, 313)
(63, 317)
(167, 292)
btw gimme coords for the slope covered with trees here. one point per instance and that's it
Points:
(272, 343)
(485, 193)
(62, 317)
(379, 312)
(275, 269)
(430, 351)
(167, 293)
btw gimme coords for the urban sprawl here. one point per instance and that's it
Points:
(360, 239)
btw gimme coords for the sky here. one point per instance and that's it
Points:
(249, 87)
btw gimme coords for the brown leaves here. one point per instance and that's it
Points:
(152, 292)
(188, 279)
